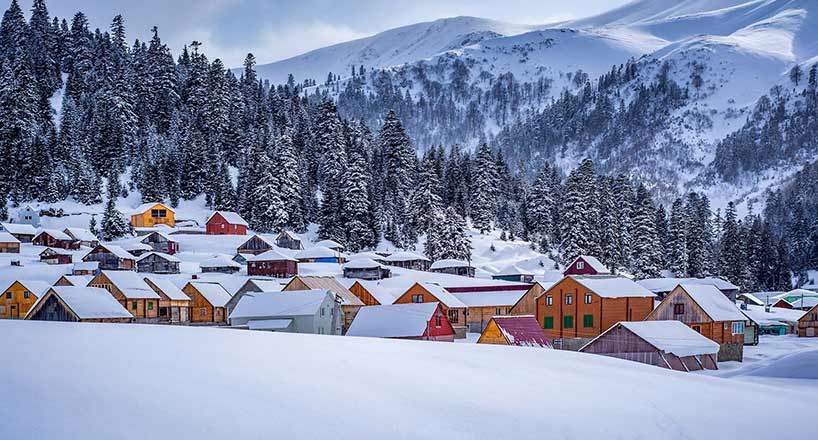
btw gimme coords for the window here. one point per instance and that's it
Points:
(726, 326)
(589, 298)
(548, 322)
(453, 316)
(814, 317)
(8, 295)
(202, 311)
(569, 299)
(159, 213)
(26, 294)
(417, 298)
(499, 311)
(320, 330)
(588, 321)
(580, 265)
(134, 305)
(738, 328)
(678, 309)
(549, 300)
(438, 321)
(323, 311)
(568, 321)
(150, 305)
(697, 328)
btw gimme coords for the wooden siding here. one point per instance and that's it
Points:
(695, 317)
(255, 245)
(350, 311)
(9, 248)
(201, 310)
(808, 324)
(161, 244)
(492, 335)
(457, 316)
(139, 308)
(45, 239)
(156, 264)
(218, 225)
(109, 261)
(360, 291)
(273, 268)
(527, 304)
(52, 308)
(13, 302)
(147, 220)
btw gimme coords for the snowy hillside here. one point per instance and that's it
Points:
(218, 383)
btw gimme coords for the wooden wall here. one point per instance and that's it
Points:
(145, 220)
(140, 308)
(201, 310)
(527, 305)
(18, 305)
(360, 291)
(492, 335)
(808, 324)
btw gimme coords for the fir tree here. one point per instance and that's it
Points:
(677, 239)
(484, 193)
(580, 213)
(732, 259)
(646, 250)
(114, 224)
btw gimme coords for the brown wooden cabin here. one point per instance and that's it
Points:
(521, 331)
(408, 260)
(174, 304)
(273, 264)
(366, 269)
(666, 344)
(155, 262)
(161, 242)
(111, 257)
(579, 308)
(453, 267)
(288, 240)
(56, 256)
(24, 233)
(55, 239)
(219, 264)
(130, 290)
(527, 304)
(151, 214)
(85, 268)
(455, 310)
(706, 310)
(78, 304)
(209, 305)
(9, 244)
(371, 293)
(808, 324)
(83, 236)
(350, 304)
(255, 245)
(484, 306)
(17, 298)
(226, 223)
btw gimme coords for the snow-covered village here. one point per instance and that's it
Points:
(260, 219)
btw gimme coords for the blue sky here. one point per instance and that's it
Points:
(278, 29)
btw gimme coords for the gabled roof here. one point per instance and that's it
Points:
(317, 252)
(814, 309)
(660, 285)
(522, 331)
(331, 284)
(442, 295)
(447, 263)
(146, 206)
(56, 251)
(266, 285)
(90, 302)
(219, 261)
(269, 324)
(167, 257)
(86, 265)
(393, 321)
(513, 270)
(609, 286)
(159, 233)
(329, 244)
(78, 280)
(503, 298)
(405, 256)
(362, 263)
(6, 237)
(56, 234)
(365, 254)
(271, 255)
(81, 234)
(672, 337)
(231, 217)
(116, 250)
(131, 284)
(384, 295)
(167, 287)
(717, 306)
(279, 304)
(37, 287)
(137, 246)
(595, 264)
(266, 241)
(214, 293)
(19, 228)
(752, 298)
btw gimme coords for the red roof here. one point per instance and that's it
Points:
(522, 331)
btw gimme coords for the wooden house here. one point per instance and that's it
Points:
(161, 242)
(85, 268)
(527, 304)
(796, 299)
(78, 304)
(666, 344)
(581, 307)
(350, 304)
(226, 223)
(372, 293)
(586, 265)
(408, 260)
(707, 311)
(74, 280)
(111, 257)
(288, 240)
(255, 245)
(148, 215)
(28, 216)
(130, 290)
(9, 244)
(54, 238)
(521, 331)
(483, 306)
(209, 302)
(514, 273)
(219, 264)
(365, 269)
(419, 321)
(17, 298)
(663, 286)
(56, 256)
(310, 311)
(137, 248)
(453, 267)
(253, 285)
(427, 292)
(319, 254)
(272, 263)
(331, 244)
(808, 324)
(83, 236)
(156, 262)
(174, 304)
(23, 232)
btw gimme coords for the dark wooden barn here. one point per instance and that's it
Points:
(272, 263)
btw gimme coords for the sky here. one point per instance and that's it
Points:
(277, 29)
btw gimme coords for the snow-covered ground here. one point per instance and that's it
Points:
(101, 381)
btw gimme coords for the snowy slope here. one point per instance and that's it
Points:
(219, 383)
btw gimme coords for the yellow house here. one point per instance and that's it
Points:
(151, 214)
(16, 299)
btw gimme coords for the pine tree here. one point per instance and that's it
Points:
(289, 176)
(677, 239)
(484, 193)
(395, 161)
(732, 259)
(114, 224)
(540, 209)
(447, 238)
(646, 258)
(268, 211)
(332, 215)
(358, 204)
(580, 213)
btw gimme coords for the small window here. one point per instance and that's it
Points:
(814, 317)
(453, 316)
(2, 310)
(8, 295)
(569, 299)
(548, 322)
(549, 300)
(438, 321)
(568, 321)
(726, 325)
(417, 298)
(323, 311)
(588, 321)
(589, 298)
(738, 328)
(202, 311)
(580, 265)
(134, 305)
(497, 311)
(150, 305)
(678, 309)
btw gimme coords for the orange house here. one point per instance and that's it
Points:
(17, 299)
(581, 307)
(148, 215)
(455, 309)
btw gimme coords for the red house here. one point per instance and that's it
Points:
(272, 263)
(226, 223)
(420, 321)
(586, 265)
(56, 239)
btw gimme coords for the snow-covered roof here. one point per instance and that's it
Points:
(267, 285)
(56, 234)
(269, 324)
(316, 252)
(802, 302)
(219, 261)
(595, 264)
(271, 255)
(776, 315)
(78, 280)
(383, 294)
(160, 255)
(91, 302)
(442, 295)
(753, 298)
(332, 244)
(81, 234)
(522, 331)
(6, 237)
(232, 217)
(447, 263)
(167, 287)
(370, 255)
(131, 284)
(362, 263)
(513, 270)
(86, 265)
(713, 302)
(661, 285)
(19, 228)
(405, 256)
(117, 251)
(56, 251)
(607, 286)
(146, 206)
(332, 285)
(672, 337)
(137, 246)
(501, 298)
(392, 321)
(279, 304)
(37, 287)
(159, 233)
(214, 293)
